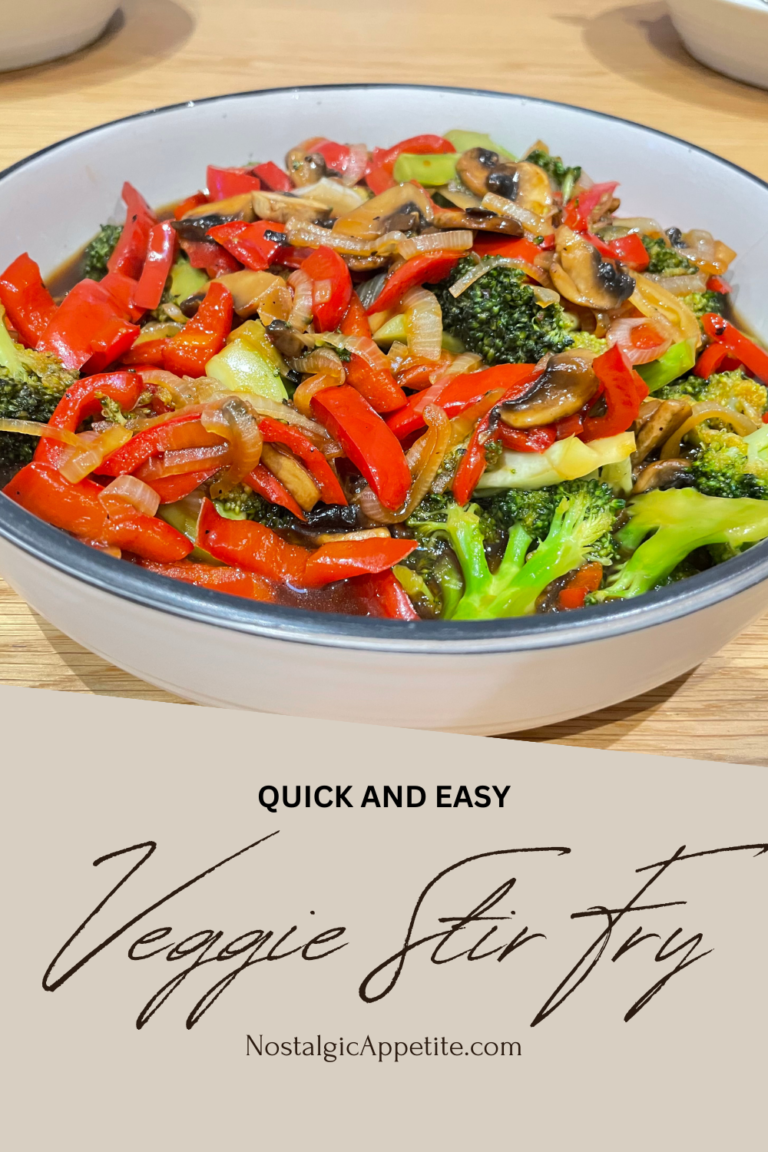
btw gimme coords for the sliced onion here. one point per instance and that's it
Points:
(459, 366)
(333, 194)
(184, 460)
(646, 225)
(656, 302)
(620, 332)
(369, 351)
(131, 490)
(423, 323)
(303, 235)
(545, 296)
(301, 313)
(456, 240)
(310, 387)
(700, 246)
(475, 273)
(398, 356)
(235, 420)
(363, 534)
(424, 460)
(35, 428)
(679, 285)
(322, 291)
(320, 360)
(356, 165)
(536, 225)
(76, 464)
(737, 420)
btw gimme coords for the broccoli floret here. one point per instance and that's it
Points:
(681, 520)
(702, 302)
(579, 532)
(244, 504)
(667, 261)
(31, 385)
(723, 467)
(563, 177)
(590, 341)
(98, 252)
(500, 318)
(532, 510)
(733, 390)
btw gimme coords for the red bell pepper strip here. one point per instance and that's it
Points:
(738, 345)
(631, 251)
(623, 390)
(182, 431)
(717, 284)
(585, 580)
(324, 476)
(188, 352)
(367, 441)
(194, 201)
(518, 378)
(235, 581)
(131, 249)
(173, 488)
(526, 439)
(26, 299)
(224, 183)
(248, 244)
(83, 399)
(247, 544)
(265, 484)
(273, 178)
(473, 461)
(487, 244)
(711, 359)
(426, 268)
(147, 354)
(161, 250)
(209, 255)
(79, 509)
(88, 329)
(578, 211)
(121, 288)
(336, 156)
(331, 287)
(380, 177)
(383, 595)
(371, 377)
(458, 394)
(339, 561)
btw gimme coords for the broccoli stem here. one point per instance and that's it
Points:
(9, 356)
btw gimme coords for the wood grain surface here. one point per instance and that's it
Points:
(620, 58)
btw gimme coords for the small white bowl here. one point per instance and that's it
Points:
(730, 36)
(480, 677)
(38, 30)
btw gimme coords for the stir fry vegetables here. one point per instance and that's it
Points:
(427, 381)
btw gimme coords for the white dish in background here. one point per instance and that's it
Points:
(34, 31)
(730, 36)
(480, 677)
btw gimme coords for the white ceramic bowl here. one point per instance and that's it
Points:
(730, 36)
(34, 31)
(476, 677)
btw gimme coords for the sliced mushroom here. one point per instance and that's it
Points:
(565, 386)
(366, 263)
(293, 475)
(281, 208)
(666, 419)
(249, 289)
(526, 185)
(288, 343)
(478, 219)
(661, 474)
(305, 167)
(585, 277)
(374, 217)
(474, 167)
(194, 225)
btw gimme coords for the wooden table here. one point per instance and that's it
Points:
(620, 58)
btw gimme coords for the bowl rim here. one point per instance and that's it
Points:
(125, 581)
